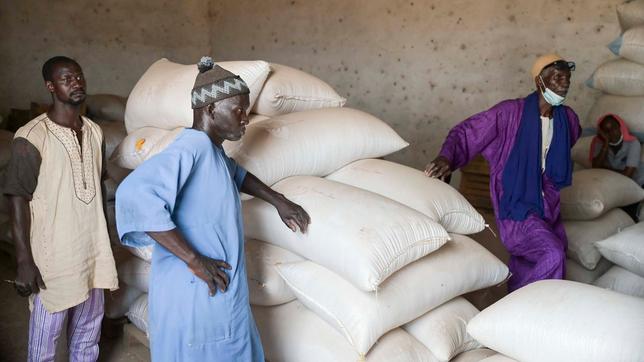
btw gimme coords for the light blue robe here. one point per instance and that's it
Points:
(194, 187)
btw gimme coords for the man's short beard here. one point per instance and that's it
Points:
(76, 102)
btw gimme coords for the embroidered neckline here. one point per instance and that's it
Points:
(80, 157)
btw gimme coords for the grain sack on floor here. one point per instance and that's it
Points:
(118, 302)
(571, 322)
(161, 97)
(596, 191)
(622, 281)
(138, 313)
(577, 273)
(292, 333)
(265, 285)
(582, 235)
(289, 90)
(362, 317)
(443, 330)
(411, 187)
(360, 235)
(626, 248)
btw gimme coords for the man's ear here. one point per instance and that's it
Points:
(539, 83)
(211, 108)
(50, 86)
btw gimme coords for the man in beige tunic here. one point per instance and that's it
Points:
(63, 252)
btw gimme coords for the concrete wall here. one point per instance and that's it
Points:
(420, 65)
(114, 41)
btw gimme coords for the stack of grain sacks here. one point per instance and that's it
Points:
(380, 272)
(622, 79)
(626, 250)
(590, 207)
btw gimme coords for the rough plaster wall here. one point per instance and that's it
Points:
(420, 65)
(114, 41)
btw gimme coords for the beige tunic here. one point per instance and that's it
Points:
(69, 238)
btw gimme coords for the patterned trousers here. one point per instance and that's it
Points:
(83, 330)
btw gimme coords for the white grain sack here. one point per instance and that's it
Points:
(570, 322)
(622, 281)
(162, 96)
(582, 235)
(265, 285)
(630, 14)
(118, 302)
(312, 143)
(577, 273)
(619, 77)
(443, 330)
(134, 272)
(360, 235)
(460, 266)
(630, 45)
(289, 90)
(292, 333)
(593, 193)
(626, 249)
(138, 313)
(411, 187)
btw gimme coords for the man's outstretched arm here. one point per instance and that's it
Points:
(292, 214)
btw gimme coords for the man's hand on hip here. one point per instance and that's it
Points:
(211, 271)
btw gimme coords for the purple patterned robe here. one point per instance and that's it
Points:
(537, 245)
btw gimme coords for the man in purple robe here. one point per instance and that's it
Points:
(527, 144)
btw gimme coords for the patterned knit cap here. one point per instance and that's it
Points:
(215, 83)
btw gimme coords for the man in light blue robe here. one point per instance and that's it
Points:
(185, 201)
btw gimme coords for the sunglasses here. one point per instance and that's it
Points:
(561, 65)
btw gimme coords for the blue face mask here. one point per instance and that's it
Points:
(551, 97)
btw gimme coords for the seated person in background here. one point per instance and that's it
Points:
(614, 148)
